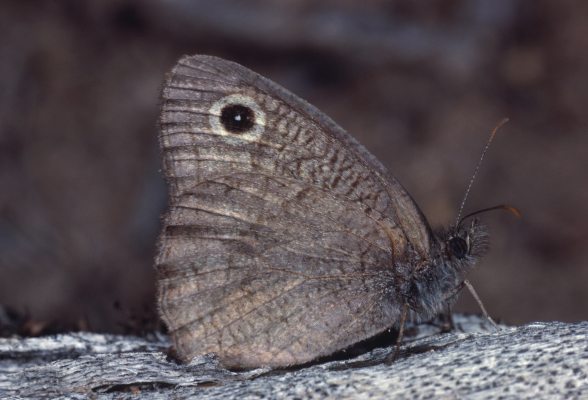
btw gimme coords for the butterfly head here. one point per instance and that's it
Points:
(464, 244)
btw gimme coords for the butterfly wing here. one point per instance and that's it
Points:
(282, 232)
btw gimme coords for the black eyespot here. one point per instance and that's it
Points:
(237, 118)
(457, 247)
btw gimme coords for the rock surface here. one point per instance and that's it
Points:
(474, 361)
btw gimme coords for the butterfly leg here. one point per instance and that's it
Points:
(480, 304)
(470, 287)
(444, 321)
(445, 318)
(392, 356)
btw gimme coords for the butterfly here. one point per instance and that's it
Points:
(285, 239)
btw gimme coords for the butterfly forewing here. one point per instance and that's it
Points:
(280, 239)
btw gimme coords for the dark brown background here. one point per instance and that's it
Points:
(420, 85)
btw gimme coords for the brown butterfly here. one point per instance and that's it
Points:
(285, 239)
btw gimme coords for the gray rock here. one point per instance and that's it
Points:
(540, 360)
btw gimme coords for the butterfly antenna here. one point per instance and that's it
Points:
(513, 210)
(467, 192)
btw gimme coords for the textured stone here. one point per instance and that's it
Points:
(539, 360)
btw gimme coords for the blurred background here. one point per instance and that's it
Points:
(420, 84)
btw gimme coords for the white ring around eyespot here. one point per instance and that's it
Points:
(217, 127)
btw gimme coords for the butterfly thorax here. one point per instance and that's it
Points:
(435, 286)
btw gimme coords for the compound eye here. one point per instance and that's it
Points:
(458, 247)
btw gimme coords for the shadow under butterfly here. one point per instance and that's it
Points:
(285, 239)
